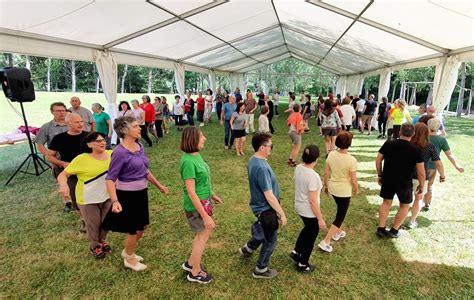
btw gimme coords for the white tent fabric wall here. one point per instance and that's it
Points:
(212, 81)
(107, 69)
(179, 73)
(341, 85)
(237, 81)
(354, 84)
(446, 76)
(384, 87)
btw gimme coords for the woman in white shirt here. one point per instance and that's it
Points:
(209, 103)
(307, 191)
(178, 111)
(348, 113)
(139, 115)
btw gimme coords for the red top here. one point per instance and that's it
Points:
(200, 103)
(339, 112)
(150, 114)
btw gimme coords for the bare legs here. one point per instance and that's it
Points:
(240, 146)
(330, 142)
(199, 244)
(294, 151)
(130, 244)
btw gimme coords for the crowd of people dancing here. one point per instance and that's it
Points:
(109, 188)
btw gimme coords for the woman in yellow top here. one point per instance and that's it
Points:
(93, 200)
(399, 115)
(341, 182)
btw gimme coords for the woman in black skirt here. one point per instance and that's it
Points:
(127, 182)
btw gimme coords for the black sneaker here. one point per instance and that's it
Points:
(98, 253)
(268, 274)
(67, 207)
(106, 248)
(244, 252)
(381, 232)
(295, 256)
(426, 207)
(201, 277)
(393, 233)
(305, 268)
(188, 268)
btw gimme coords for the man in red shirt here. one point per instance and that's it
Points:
(200, 101)
(150, 116)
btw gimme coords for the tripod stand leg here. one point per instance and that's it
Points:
(19, 168)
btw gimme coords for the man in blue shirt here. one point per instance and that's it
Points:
(265, 205)
(227, 110)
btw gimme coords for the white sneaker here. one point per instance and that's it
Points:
(325, 247)
(137, 257)
(137, 267)
(412, 225)
(202, 124)
(338, 236)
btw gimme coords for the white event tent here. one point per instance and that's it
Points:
(352, 39)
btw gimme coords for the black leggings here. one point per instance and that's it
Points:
(342, 207)
(144, 134)
(305, 242)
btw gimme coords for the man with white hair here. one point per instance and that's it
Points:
(431, 111)
(68, 146)
(86, 115)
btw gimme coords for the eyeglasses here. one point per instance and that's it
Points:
(59, 110)
(100, 141)
(271, 146)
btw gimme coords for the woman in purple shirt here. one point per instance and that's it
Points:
(127, 182)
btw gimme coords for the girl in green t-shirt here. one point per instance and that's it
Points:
(197, 197)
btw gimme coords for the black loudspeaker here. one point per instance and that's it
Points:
(17, 85)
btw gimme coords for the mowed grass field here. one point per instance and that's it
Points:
(44, 255)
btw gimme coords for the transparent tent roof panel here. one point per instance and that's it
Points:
(216, 57)
(259, 42)
(270, 53)
(450, 24)
(81, 21)
(303, 42)
(175, 41)
(227, 25)
(312, 19)
(382, 45)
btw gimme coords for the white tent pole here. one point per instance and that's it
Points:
(107, 69)
(179, 78)
(212, 81)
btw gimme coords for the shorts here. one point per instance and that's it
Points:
(367, 118)
(329, 131)
(425, 186)
(238, 133)
(307, 116)
(195, 221)
(405, 194)
(295, 137)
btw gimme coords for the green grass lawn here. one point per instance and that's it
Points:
(43, 254)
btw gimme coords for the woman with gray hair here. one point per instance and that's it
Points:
(127, 185)
(440, 143)
(103, 124)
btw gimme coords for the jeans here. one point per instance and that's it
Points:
(268, 246)
(229, 134)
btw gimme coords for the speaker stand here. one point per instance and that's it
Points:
(40, 165)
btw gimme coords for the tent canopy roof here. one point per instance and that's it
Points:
(342, 37)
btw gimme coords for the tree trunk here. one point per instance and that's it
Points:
(461, 90)
(468, 110)
(122, 86)
(393, 91)
(73, 76)
(48, 79)
(150, 80)
(9, 59)
(28, 62)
